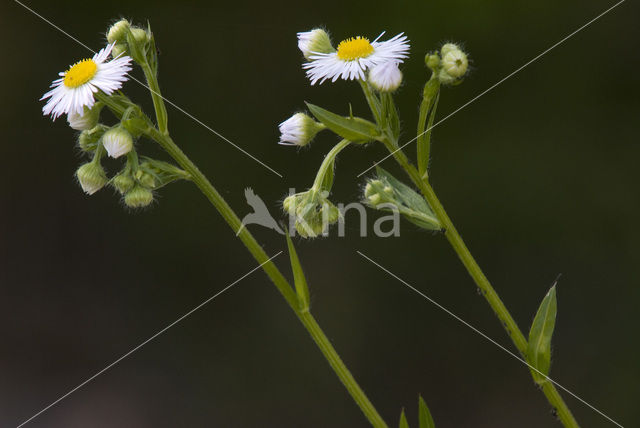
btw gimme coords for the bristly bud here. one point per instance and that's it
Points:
(432, 61)
(123, 182)
(139, 35)
(119, 50)
(386, 77)
(138, 197)
(453, 65)
(314, 41)
(91, 177)
(88, 140)
(299, 130)
(87, 120)
(117, 142)
(118, 31)
(311, 212)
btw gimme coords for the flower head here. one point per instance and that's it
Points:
(311, 212)
(386, 77)
(298, 130)
(454, 63)
(354, 56)
(316, 41)
(91, 177)
(117, 142)
(75, 88)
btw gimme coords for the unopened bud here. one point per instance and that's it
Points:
(123, 182)
(85, 121)
(88, 140)
(91, 177)
(386, 77)
(140, 35)
(138, 197)
(118, 31)
(117, 142)
(314, 42)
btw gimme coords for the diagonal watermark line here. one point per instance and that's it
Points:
(517, 357)
(177, 107)
(147, 341)
(494, 86)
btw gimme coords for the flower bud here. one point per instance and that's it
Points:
(453, 65)
(88, 140)
(138, 197)
(91, 177)
(386, 77)
(432, 61)
(299, 130)
(118, 31)
(123, 182)
(139, 35)
(313, 42)
(146, 179)
(312, 212)
(117, 142)
(119, 50)
(85, 121)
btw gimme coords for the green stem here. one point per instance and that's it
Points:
(509, 324)
(274, 274)
(327, 164)
(283, 286)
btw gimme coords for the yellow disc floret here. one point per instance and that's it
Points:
(354, 48)
(80, 73)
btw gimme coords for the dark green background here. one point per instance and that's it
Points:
(540, 175)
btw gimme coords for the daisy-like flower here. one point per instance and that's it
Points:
(386, 77)
(354, 56)
(299, 130)
(76, 86)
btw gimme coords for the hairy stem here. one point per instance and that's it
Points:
(454, 238)
(161, 136)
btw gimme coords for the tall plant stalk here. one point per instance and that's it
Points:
(162, 137)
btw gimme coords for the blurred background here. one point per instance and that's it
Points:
(540, 175)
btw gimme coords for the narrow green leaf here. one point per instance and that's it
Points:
(302, 290)
(354, 129)
(539, 349)
(424, 415)
(427, 114)
(403, 421)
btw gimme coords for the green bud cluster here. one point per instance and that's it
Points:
(312, 212)
(450, 65)
(129, 40)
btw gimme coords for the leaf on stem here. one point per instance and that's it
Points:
(302, 290)
(354, 129)
(428, 108)
(403, 420)
(424, 415)
(539, 349)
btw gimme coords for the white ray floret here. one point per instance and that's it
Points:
(354, 56)
(75, 88)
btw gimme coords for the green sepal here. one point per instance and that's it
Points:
(424, 415)
(403, 420)
(539, 348)
(354, 129)
(302, 289)
(419, 212)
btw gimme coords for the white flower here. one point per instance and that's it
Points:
(314, 42)
(354, 56)
(298, 130)
(75, 89)
(117, 142)
(386, 77)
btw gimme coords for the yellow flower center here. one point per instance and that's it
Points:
(354, 48)
(80, 73)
